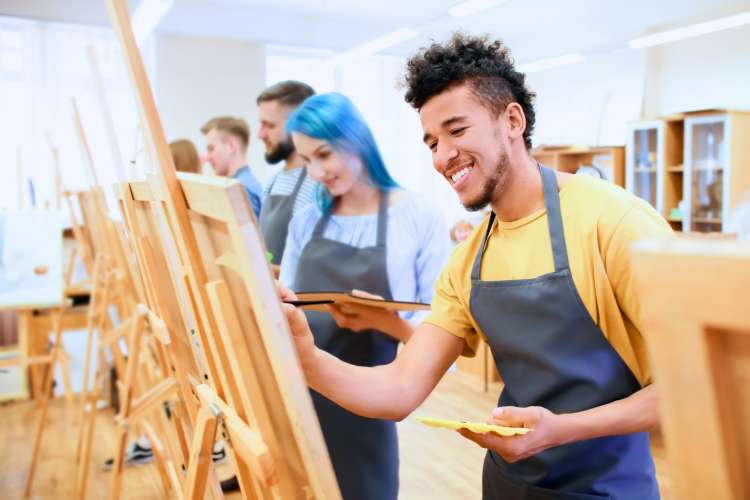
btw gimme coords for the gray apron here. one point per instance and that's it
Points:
(364, 451)
(275, 214)
(550, 353)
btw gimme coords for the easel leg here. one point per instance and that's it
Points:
(201, 451)
(88, 435)
(91, 323)
(47, 389)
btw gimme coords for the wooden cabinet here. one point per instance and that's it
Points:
(694, 168)
(654, 167)
(717, 168)
(607, 162)
(644, 163)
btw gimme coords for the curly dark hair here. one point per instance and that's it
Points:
(485, 64)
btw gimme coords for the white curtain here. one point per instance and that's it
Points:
(42, 67)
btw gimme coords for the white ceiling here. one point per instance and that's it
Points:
(534, 29)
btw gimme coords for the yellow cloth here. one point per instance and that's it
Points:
(601, 221)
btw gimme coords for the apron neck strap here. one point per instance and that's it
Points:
(300, 180)
(554, 218)
(554, 224)
(382, 220)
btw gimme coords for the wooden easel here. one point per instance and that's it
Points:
(144, 219)
(695, 311)
(252, 380)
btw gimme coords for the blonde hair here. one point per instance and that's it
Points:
(236, 127)
(185, 156)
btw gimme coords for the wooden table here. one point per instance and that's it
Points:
(31, 284)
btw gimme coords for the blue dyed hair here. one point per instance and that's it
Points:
(333, 118)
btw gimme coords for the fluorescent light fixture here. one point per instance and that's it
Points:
(690, 31)
(373, 46)
(554, 62)
(147, 17)
(470, 7)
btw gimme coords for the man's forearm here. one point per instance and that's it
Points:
(637, 413)
(374, 392)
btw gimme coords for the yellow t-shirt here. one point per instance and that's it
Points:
(601, 221)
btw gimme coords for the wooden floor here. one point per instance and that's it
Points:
(436, 464)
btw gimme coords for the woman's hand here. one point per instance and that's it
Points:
(357, 318)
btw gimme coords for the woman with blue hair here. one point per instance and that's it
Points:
(363, 233)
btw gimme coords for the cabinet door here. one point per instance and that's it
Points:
(643, 164)
(706, 150)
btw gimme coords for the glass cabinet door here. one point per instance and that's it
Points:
(644, 161)
(707, 176)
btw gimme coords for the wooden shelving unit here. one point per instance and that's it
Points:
(609, 160)
(654, 165)
(717, 168)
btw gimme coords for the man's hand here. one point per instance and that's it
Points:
(545, 434)
(301, 334)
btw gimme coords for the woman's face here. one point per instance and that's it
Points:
(338, 171)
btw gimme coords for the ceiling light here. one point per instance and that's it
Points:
(554, 62)
(147, 17)
(690, 31)
(373, 46)
(470, 7)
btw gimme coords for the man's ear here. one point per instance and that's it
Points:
(516, 120)
(233, 143)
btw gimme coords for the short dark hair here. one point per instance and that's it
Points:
(288, 92)
(231, 125)
(484, 64)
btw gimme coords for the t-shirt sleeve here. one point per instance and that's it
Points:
(450, 310)
(638, 223)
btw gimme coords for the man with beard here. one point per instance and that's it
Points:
(290, 189)
(545, 280)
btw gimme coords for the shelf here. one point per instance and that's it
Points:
(676, 169)
(704, 169)
(698, 220)
(645, 170)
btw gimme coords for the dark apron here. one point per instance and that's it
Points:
(550, 353)
(364, 451)
(275, 214)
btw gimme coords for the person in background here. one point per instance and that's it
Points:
(185, 156)
(546, 280)
(227, 139)
(290, 189)
(366, 233)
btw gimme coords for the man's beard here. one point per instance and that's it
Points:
(498, 176)
(282, 151)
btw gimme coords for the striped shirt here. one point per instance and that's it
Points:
(282, 182)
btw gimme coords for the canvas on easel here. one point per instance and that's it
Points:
(252, 381)
(696, 322)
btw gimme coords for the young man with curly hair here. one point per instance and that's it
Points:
(546, 280)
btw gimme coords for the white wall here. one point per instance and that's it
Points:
(201, 78)
(590, 102)
(712, 71)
